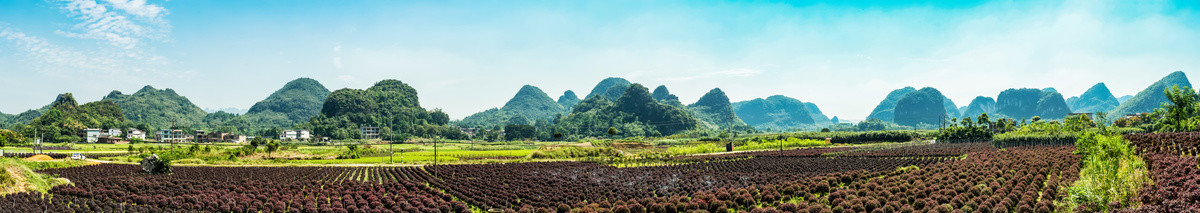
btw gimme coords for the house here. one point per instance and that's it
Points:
(92, 135)
(113, 132)
(302, 134)
(170, 136)
(370, 132)
(470, 132)
(135, 133)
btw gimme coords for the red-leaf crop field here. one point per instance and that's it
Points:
(966, 177)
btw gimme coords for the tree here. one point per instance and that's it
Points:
(1182, 107)
(1036, 119)
(272, 146)
(2, 140)
(612, 131)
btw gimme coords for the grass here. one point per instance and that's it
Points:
(789, 142)
(20, 178)
(1111, 174)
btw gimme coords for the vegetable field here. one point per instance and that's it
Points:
(908, 177)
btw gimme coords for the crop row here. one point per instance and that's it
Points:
(808, 152)
(254, 189)
(545, 185)
(1017, 180)
(1180, 143)
(1177, 184)
(925, 150)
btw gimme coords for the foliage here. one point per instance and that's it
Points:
(389, 103)
(530, 104)
(568, 99)
(1111, 175)
(602, 88)
(715, 109)
(790, 142)
(1151, 97)
(518, 132)
(633, 114)
(157, 108)
(848, 137)
(574, 152)
(296, 102)
(967, 130)
(64, 121)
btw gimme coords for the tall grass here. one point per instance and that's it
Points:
(785, 143)
(32, 181)
(1111, 174)
(789, 142)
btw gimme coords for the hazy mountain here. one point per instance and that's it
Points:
(779, 113)
(530, 103)
(885, 110)
(568, 99)
(298, 101)
(951, 108)
(980, 105)
(1122, 99)
(158, 108)
(604, 87)
(1027, 102)
(1152, 97)
(818, 116)
(1095, 99)
(715, 109)
(231, 110)
(924, 106)
(664, 96)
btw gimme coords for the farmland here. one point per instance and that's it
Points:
(904, 177)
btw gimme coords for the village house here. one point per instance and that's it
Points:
(302, 134)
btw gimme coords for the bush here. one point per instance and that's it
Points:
(1111, 176)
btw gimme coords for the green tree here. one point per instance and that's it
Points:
(272, 146)
(612, 131)
(1182, 107)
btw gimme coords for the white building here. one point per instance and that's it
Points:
(135, 133)
(302, 134)
(92, 135)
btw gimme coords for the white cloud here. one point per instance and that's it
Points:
(53, 55)
(120, 23)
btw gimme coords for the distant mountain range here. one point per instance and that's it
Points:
(780, 112)
(301, 100)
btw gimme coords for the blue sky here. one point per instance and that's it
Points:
(468, 56)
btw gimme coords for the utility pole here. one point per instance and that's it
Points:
(391, 152)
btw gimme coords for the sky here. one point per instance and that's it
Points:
(468, 56)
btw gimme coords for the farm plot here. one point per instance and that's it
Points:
(545, 185)
(242, 189)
